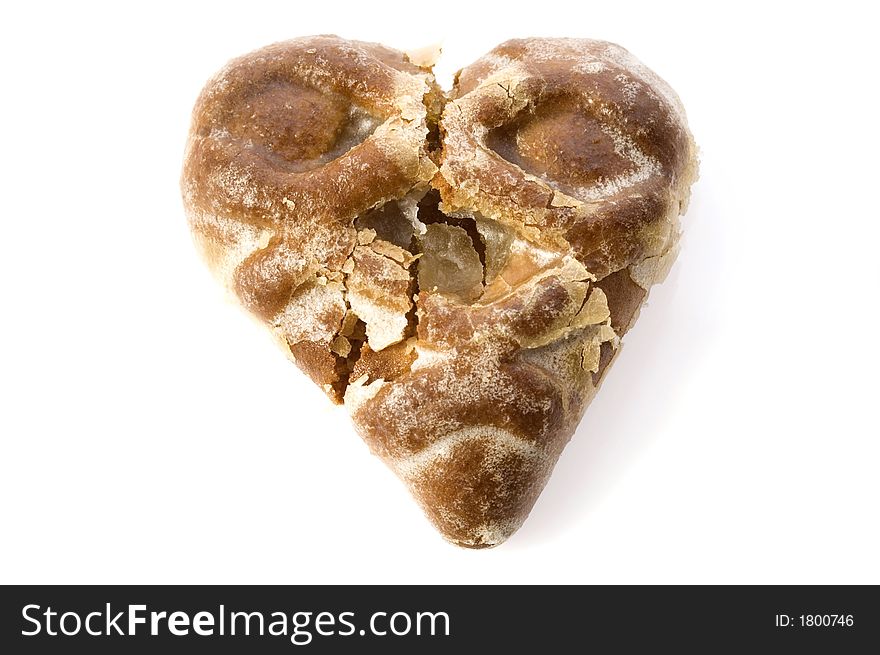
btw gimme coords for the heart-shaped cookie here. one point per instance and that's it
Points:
(458, 270)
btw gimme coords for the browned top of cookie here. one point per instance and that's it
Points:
(288, 146)
(293, 142)
(573, 137)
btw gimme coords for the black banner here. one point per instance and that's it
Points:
(518, 619)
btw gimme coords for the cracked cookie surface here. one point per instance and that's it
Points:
(457, 270)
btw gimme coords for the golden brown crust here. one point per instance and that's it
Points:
(288, 146)
(573, 137)
(466, 327)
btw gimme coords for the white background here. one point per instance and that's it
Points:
(151, 432)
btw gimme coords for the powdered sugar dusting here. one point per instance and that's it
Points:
(224, 244)
(427, 357)
(500, 442)
(358, 393)
(655, 84)
(314, 313)
(643, 169)
(591, 67)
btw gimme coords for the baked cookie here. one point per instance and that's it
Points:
(457, 270)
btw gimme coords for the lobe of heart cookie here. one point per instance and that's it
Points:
(476, 423)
